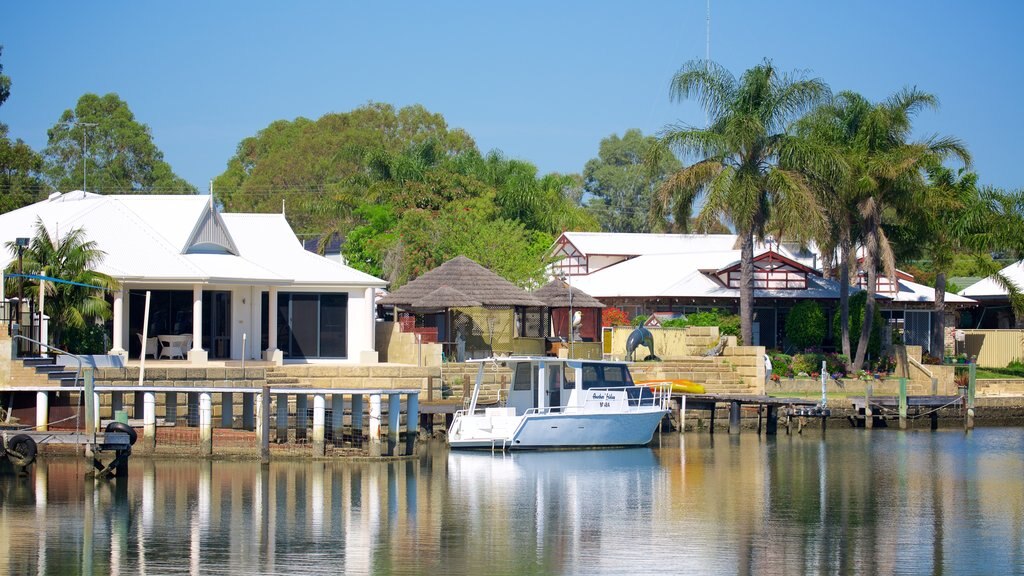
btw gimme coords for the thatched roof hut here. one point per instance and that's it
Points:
(556, 295)
(467, 277)
(445, 297)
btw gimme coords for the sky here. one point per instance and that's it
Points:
(541, 81)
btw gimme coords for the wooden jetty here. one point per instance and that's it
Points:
(792, 407)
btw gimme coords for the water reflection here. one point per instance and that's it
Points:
(851, 502)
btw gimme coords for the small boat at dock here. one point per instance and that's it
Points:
(561, 403)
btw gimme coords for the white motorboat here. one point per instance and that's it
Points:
(561, 403)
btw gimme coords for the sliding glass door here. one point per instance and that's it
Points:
(310, 325)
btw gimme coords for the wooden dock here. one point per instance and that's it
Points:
(801, 407)
(882, 408)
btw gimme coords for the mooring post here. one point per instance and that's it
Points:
(375, 424)
(682, 413)
(90, 414)
(412, 422)
(759, 419)
(282, 418)
(772, 425)
(357, 418)
(394, 411)
(249, 411)
(301, 415)
(869, 417)
(227, 410)
(711, 419)
(149, 421)
(337, 416)
(264, 424)
(42, 411)
(205, 424)
(971, 387)
(319, 414)
(903, 403)
(734, 417)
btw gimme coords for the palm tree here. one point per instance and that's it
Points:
(752, 171)
(72, 258)
(886, 172)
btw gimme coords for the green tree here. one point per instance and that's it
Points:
(119, 154)
(751, 171)
(889, 171)
(620, 187)
(805, 325)
(21, 168)
(5, 81)
(74, 258)
(858, 305)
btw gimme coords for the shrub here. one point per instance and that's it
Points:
(639, 320)
(805, 325)
(857, 304)
(809, 363)
(612, 316)
(782, 365)
(88, 339)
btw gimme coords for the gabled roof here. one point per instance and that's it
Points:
(210, 234)
(636, 244)
(147, 238)
(469, 278)
(989, 288)
(771, 255)
(556, 295)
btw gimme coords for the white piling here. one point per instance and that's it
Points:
(375, 424)
(42, 411)
(149, 420)
(319, 413)
(205, 424)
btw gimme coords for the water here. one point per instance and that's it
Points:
(880, 502)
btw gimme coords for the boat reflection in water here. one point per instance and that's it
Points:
(853, 502)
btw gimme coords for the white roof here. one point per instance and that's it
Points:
(989, 288)
(145, 238)
(635, 244)
(682, 276)
(914, 292)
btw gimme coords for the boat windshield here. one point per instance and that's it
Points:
(600, 376)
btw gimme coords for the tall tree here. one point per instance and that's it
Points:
(72, 257)
(620, 187)
(21, 181)
(888, 169)
(118, 152)
(750, 171)
(20, 166)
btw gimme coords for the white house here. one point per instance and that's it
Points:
(996, 311)
(686, 273)
(239, 285)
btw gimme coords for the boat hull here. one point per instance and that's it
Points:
(581, 430)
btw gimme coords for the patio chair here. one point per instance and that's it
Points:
(149, 346)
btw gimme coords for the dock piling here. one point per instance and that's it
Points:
(903, 403)
(412, 423)
(319, 412)
(205, 424)
(375, 425)
(42, 411)
(971, 388)
(394, 410)
(772, 425)
(264, 425)
(734, 417)
(149, 421)
(869, 417)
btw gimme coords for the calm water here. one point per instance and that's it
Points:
(878, 502)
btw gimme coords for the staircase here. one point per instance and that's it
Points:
(277, 376)
(36, 371)
(715, 373)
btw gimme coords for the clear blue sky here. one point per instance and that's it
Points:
(539, 80)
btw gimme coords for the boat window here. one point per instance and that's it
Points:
(616, 376)
(554, 376)
(570, 378)
(591, 377)
(522, 377)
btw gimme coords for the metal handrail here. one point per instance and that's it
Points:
(79, 359)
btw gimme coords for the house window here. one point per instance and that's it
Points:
(310, 325)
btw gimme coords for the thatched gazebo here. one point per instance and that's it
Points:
(466, 306)
(567, 302)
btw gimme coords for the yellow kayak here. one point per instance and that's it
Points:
(678, 386)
